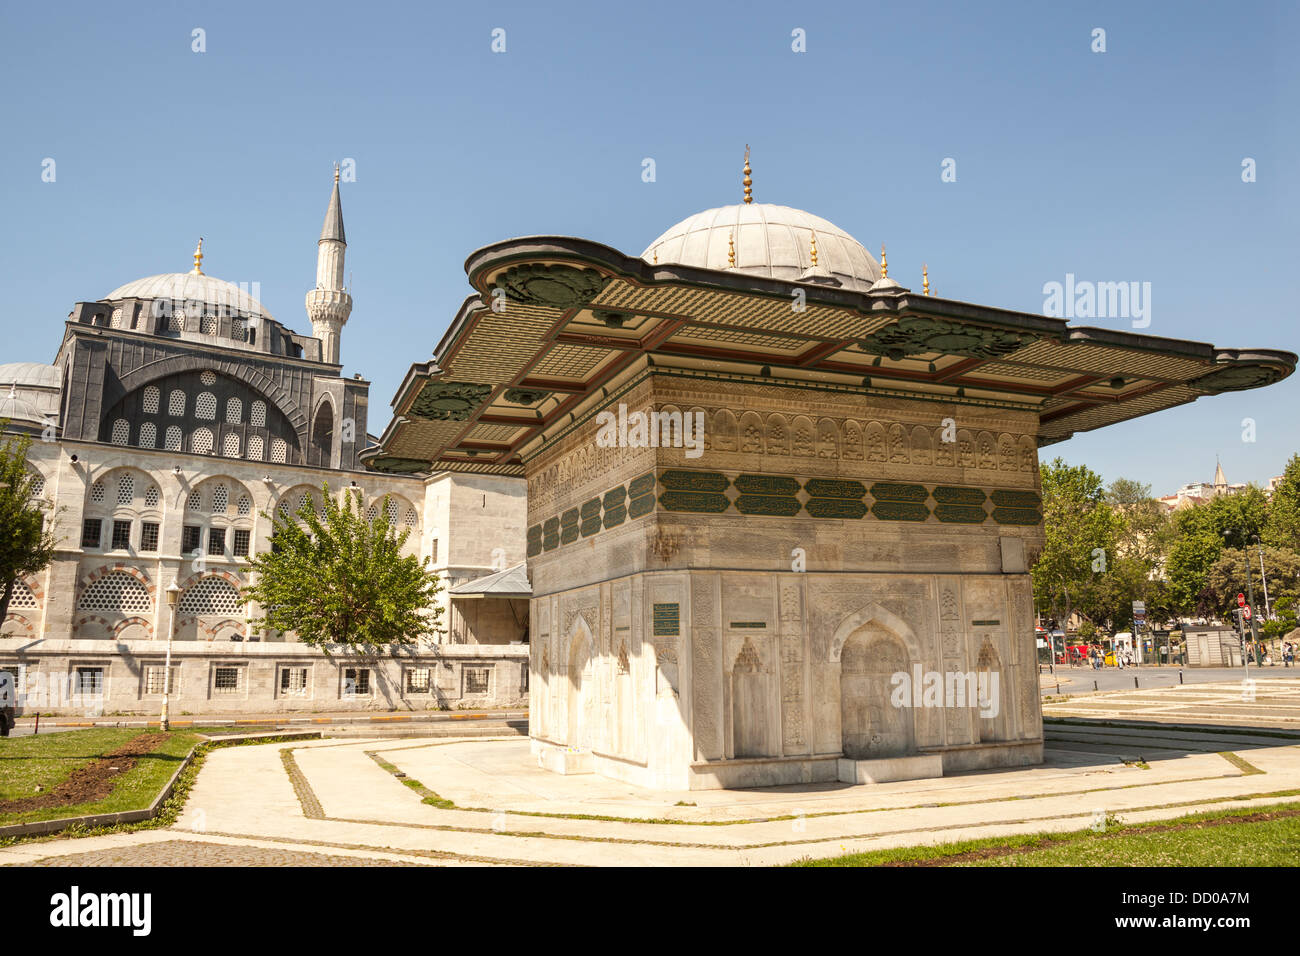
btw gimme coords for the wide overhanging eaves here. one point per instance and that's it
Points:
(555, 318)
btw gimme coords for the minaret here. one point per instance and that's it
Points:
(329, 305)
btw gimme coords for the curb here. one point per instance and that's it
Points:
(432, 717)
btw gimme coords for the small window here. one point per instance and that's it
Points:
(523, 678)
(176, 403)
(255, 447)
(205, 406)
(245, 505)
(151, 497)
(257, 415)
(195, 501)
(121, 432)
(125, 489)
(477, 680)
(90, 532)
(220, 499)
(121, 535)
(89, 680)
(226, 680)
(190, 536)
(230, 445)
(149, 536)
(148, 435)
(433, 549)
(97, 492)
(217, 541)
(240, 548)
(173, 438)
(208, 325)
(149, 403)
(279, 450)
(234, 411)
(293, 681)
(155, 679)
(201, 442)
(356, 682)
(417, 680)
(239, 330)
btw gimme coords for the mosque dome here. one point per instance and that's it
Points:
(191, 287)
(15, 408)
(31, 374)
(769, 240)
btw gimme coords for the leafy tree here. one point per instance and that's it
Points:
(1282, 529)
(1080, 531)
(1227, 578)
(26, 546)
(336, 578)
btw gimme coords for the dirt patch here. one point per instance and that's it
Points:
(991, 852)
(90, 783)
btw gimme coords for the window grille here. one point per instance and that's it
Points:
(356, 681)
(220, 499)
(125, 489)
(225, 680)
(240, 549)
(121, 535)
(255, 447)
(257, 415)
(205, 407)
(293, 681)
(417, 680)
(150, 402)
(90, 530)
(38, 486)
(234, 411)
(201, 442)
(155, 677)
(190, 535)
(477, 680)
(176, 403)
(211, 595)
(177, 321)
(97, 492)
(245, 505)
(230, 445)
(148, 435)
(148, 536)
(121, 432)
(116, 591)
(195, 501)
(279, 450)
(173, 438)
(217, 541)
(208, 326)
(90, 681)
(116, 321)
(22, 596)
(151, 497)
(208, 378)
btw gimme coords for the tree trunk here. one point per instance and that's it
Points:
(4, 600)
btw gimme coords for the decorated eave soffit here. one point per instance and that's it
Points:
(556, 318)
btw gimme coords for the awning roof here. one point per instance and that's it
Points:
(510, 583)
(556, 318)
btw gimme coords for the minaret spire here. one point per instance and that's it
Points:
(329, 304)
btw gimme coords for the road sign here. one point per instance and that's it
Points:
(1241, 600)
(1246, 611)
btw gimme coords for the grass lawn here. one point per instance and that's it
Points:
(1237, 838)
(48, 760)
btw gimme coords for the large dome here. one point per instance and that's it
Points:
(770, 240)
(34, 374)
(188, 287)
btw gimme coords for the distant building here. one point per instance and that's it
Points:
(1201, 492)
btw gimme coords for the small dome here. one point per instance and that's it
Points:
(188, 287)
(15, 408)
(32, 374)
(770, 240)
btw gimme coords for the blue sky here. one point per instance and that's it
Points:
(1115, 166)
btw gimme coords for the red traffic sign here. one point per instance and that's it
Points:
(1241, 600)
(1246, 611)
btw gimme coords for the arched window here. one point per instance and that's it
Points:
(201, 442)
(195, 501)
(257, 414)
(22, 597)
(322, 434)
(121, 432)
(230, 445)
(173, 438)
(220, 499)
(245, 504)
(176, 403)
(177, 321)
(211, 595)
(97, 492)
(208, 325)
(255, 447)
(116, 321)
(151, 497)
(234, 411)
(205, 407)
(149, 402)
(148, 435)
(125, 489)
(279, 450)
(117, 591)
(38, 485)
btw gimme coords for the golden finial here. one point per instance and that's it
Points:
(925, 278)
(198, 259)
(731, 250)
(336, 174)
(656, 255)
(814, 248)
(884, 263)
(749, 193)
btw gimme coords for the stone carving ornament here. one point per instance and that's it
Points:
(914, 336)
(448, 401)
(555, 287)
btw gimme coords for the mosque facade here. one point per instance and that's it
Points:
(177, 415)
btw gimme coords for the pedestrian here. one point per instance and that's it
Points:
(8, 702)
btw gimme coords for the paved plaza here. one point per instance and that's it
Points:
(359, 801)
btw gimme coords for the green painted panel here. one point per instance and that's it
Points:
(667, 619)
(767, 505)
(835, 508)
(551, 534)
(591, 509)
(1016, 499)
(900, 511)
(642, 506)
(694, 481)
(695, 501)
(590, 526)
(615, 497)
(644, 485)
(832, 488)
(1019, 516)
(961, 514)
(615, 515)
(897, 491)
(949, 495)
(766, 485)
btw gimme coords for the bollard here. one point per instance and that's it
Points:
(1058, 687)
(1180, 675)
(1135, 682)
(1094, 686)
(38, 725)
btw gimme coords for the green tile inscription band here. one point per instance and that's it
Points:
(667, 620)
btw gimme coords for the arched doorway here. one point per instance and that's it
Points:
(748, 701)
(991, 694)
(870, 725)
(581, 690)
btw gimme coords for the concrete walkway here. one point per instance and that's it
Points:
(337, 798)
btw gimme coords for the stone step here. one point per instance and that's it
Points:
(477, 728)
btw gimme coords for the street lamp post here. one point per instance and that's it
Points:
(173, 595)
(1250, 599)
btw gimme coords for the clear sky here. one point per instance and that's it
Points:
(1117, 166)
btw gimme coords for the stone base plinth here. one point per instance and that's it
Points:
(563, 760)
(886, 769)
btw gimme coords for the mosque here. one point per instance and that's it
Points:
(861, 519)
(177, 413)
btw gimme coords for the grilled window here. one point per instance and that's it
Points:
(148, 536)
(240, 548)
(90, 532)
(293, 681)
(225, 680)
(356, 682)
(121, 534)
(417, 680)
(190, 537)
(217, 541)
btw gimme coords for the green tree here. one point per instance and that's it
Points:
(1080, 532)
(1282, 528)
(26, 545)
(336, 578)
(1227, 578)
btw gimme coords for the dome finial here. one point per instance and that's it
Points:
(749, 193)
(336, 173)
(925, 278)
(198, 259)
(731, 250)
(814, 248)
(884, 263)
